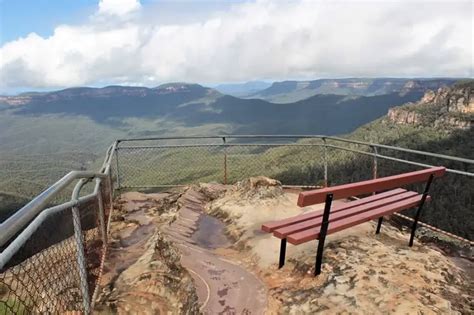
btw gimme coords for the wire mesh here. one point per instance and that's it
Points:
(452, 206)
(293, 161)
(156, 166)
(44, 275)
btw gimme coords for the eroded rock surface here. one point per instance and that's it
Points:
(362, 272)
(223, 286)
(143, 273)
(168, 255)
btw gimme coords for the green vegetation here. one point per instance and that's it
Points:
(44, 141)
(304, 165)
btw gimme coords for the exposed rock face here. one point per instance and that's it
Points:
(155, 283)
(363, 273)
(143, 273)
(401, 116)
(451, 107)
(259, 187)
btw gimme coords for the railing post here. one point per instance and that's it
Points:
(117, 167)
(81, 260)
(325, 163)
(111, 191)
(101, 214)
(225, 161)
(374, 165)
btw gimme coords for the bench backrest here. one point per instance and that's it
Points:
(312, 197)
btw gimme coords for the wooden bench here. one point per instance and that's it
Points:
(387, 197)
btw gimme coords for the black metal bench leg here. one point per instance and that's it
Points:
(379, 225)
(319, 256)
(282, 253)
(322, 235)
(418, 212)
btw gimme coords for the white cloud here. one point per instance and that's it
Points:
(118, 7)
(252, 40)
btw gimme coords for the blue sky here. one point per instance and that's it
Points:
(56, 44)
(21, 17)
(18, 18)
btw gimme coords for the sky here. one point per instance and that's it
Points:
(46, 44)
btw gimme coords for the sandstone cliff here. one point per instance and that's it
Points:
(448, 107)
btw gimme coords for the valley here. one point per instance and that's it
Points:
(71, 129)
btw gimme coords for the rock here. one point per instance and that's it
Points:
(259, 188)
(449, 107)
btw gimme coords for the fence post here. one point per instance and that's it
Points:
(81, 260)
(111, 191)
(374, 165)
(101, 214)
(225, 161)
(325, 163)
(117, 166)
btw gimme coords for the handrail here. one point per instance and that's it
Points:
(18, 242)
(384, 146)
(19, 219)
(322, 137)
(23, 216)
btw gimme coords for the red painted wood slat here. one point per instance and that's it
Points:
(312, 197)
(316, 222)
(308, 235)
(271, 226)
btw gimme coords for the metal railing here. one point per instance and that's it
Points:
(301, 160)
(52, 256)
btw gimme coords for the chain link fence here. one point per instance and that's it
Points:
(299, 161)
(53, 264)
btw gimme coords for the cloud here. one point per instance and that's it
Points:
(247, 41)
(118, 7)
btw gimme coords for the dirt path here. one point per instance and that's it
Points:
(223, 287)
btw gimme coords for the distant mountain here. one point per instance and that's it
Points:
(48, 134)
(170, 92)
(291, 91)
(192, 105)
(243, 89)
(100, 104)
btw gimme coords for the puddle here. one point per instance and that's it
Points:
(140, 216)
(211, 233)
(139, 234)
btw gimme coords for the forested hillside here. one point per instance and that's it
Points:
(427, 125)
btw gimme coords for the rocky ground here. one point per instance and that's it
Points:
(169, 254)
(143, 273)
(362, 272)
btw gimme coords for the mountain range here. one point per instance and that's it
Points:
(45, 135)
(352, 103)
(291, 91)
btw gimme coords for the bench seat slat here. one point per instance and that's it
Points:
(312, 197)
(308, 235)
(317, 221)
(273, 225)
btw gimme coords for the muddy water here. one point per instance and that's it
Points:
(140, 233)
(210, 233)
(223, 286)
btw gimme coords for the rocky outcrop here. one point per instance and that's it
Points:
(363, 273)
(403, 116)
(143, 273)
(448, 107)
